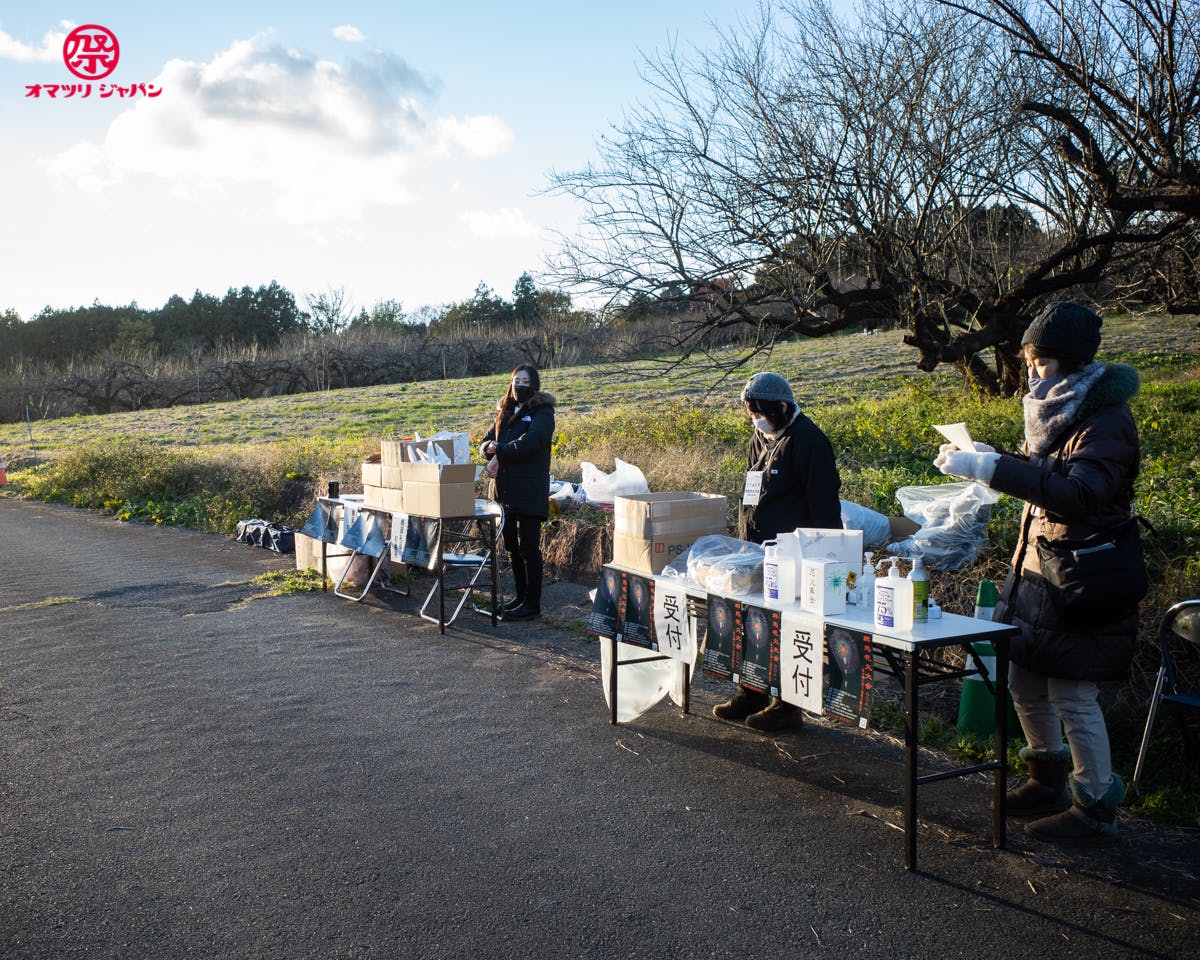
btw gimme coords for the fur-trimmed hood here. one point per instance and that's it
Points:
(540, 399)
(1118, 384)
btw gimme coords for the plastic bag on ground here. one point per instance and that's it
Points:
(953, 519)
(601, 488)
(874, 526)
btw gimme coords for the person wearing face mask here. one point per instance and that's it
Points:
(1075, 471)
(791, 481)
(519, 438)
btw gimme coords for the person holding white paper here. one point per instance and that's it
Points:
(519, 440)
(791, 481)
(1075, 471)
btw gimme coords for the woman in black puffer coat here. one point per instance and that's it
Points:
(1075, 471)
(520, 439)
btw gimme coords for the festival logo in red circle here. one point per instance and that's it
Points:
(91, 52)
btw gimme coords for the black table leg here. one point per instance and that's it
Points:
(495, 564)
(441, 578)
(1000, 786)
(612, 681)
(911, 747)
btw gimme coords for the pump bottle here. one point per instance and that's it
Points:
(893, 599)
(779, 574)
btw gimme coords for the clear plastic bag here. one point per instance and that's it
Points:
(874, 526)
(602, 488)
(720, 564)
(953, 519)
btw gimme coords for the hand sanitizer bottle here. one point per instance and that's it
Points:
(920, 589)
(893, 599)
(866, 580)
(779, 575)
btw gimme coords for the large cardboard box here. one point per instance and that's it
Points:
(437, 473)
(391, 477)
(372, 474)
(396, 452)
(440, 499)
(384, 498)
(652, 529)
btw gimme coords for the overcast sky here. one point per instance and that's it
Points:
(393, 149)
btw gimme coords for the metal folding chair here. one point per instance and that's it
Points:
(471, 550)
(1181, 622)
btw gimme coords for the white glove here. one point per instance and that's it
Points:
(961, 463)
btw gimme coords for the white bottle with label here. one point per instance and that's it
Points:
(893, 600)
(865, 587)
(779, 575)
(920, 589)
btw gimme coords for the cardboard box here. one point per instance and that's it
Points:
(391, 477)
(372, 474)
(652, 529)
(440, 499)
(396, 452)
(651, 515)
(438, 473)
(384, 498)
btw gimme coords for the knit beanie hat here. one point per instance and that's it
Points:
(767, 386)
(1067, 330)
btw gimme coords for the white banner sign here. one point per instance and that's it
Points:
(671, 628)
(802, 660)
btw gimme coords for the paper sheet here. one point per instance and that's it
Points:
(957, 434)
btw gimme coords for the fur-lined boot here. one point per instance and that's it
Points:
(1045, 791)
(1086, 819)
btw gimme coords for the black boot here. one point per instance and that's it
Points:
(1045, 791)
(742, 704)
(511, 605)
(530, 597)
(524, 612)
(520, 580)
(776, 716)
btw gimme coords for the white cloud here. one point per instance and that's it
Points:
(505, 222)
(481, 136)
(50, 50)
(317, 140)
(349, 34)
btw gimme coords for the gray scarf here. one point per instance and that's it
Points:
(1047, 418)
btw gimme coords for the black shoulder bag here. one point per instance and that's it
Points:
(1098, 577)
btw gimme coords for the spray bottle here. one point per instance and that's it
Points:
(920, 589)
(866, 580)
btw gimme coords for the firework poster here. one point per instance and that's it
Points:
(609, 606)
(638, 626)
(757, 633)
(718, 645)
(671, 622)
(802, 660)
(848, 675)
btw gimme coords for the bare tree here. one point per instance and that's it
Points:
(829, 175)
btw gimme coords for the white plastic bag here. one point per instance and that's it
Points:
(640, 685)
(874, 526)
(460, 445)
(602, 488)
(720, 564)
(953, 519)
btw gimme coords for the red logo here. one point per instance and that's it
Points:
(91, 52)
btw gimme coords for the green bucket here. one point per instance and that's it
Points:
(977, 705)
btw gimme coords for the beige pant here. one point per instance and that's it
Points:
(1048, 706)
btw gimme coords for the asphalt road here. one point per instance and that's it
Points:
(186, 771)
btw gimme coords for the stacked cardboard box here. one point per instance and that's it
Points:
(383, 484)
(439, 490)
(652, 529)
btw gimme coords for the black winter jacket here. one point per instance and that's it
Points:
(1081, 486)
(523, 483)
(800, 483)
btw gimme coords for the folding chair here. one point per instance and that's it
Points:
(1181, 622)
(474, 546)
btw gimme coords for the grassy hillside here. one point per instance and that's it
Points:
(208, 466)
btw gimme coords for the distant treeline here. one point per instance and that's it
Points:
(258, 342)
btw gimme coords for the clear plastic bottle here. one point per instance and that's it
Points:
(893, 599)
(779, 574)
(866, 580)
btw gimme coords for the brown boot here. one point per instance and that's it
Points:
(1045, 791)
(776, 716)
(742, 704)
(1086, 820)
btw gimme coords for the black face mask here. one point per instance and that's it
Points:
(522, 393)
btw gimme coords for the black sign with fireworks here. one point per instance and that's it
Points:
(848, 674)
(638, 627)
(608, 609)
(756, 638)
(718, 645)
